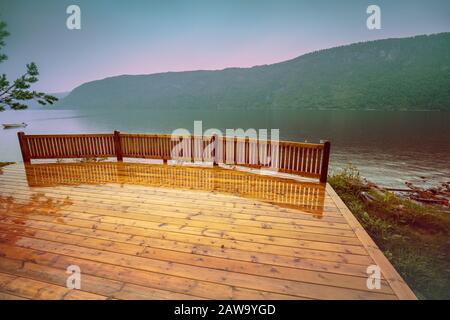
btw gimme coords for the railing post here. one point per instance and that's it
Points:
(118, 145)
(325, 161)
(216, 145)
(24, 147)
(192, 142)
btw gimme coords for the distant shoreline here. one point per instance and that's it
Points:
(235, 109)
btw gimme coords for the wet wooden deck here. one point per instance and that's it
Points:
(140, 231)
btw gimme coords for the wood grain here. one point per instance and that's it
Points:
(140, 231)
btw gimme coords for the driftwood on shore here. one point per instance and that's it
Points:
(439, 195)
(436, 195)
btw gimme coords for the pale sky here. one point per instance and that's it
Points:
(143, 37)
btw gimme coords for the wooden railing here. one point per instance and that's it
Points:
(305, 159)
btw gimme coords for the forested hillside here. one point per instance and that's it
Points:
(392, 74)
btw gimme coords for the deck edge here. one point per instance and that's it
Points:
(395, 280)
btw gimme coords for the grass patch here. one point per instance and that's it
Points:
(414, 237)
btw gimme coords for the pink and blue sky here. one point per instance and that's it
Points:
(142, 37)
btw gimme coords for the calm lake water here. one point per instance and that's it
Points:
(388, 148)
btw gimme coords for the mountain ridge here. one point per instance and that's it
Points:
(389, 74)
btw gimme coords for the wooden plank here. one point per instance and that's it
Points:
(158, 204)
(55, 273)
(204, 274)
(399, 286)
(225, 253)
(257, 235)
(5, 279)
(260, 201)
(33, 289)
(300, 252)
(108, 264)
(8, 296)
(142, 241)
(254, 268)
(38, 226)
(89, 285)
(205, 219)
(160, 211)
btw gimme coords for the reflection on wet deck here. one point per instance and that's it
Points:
(140, 231)
(308, 196)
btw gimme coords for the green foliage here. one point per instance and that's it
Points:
(402, 211)
(14, 94)
(392, 74)
(412, 236)
(422, 261)
(3, 35)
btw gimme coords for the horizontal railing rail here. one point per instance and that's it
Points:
(305, 159)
